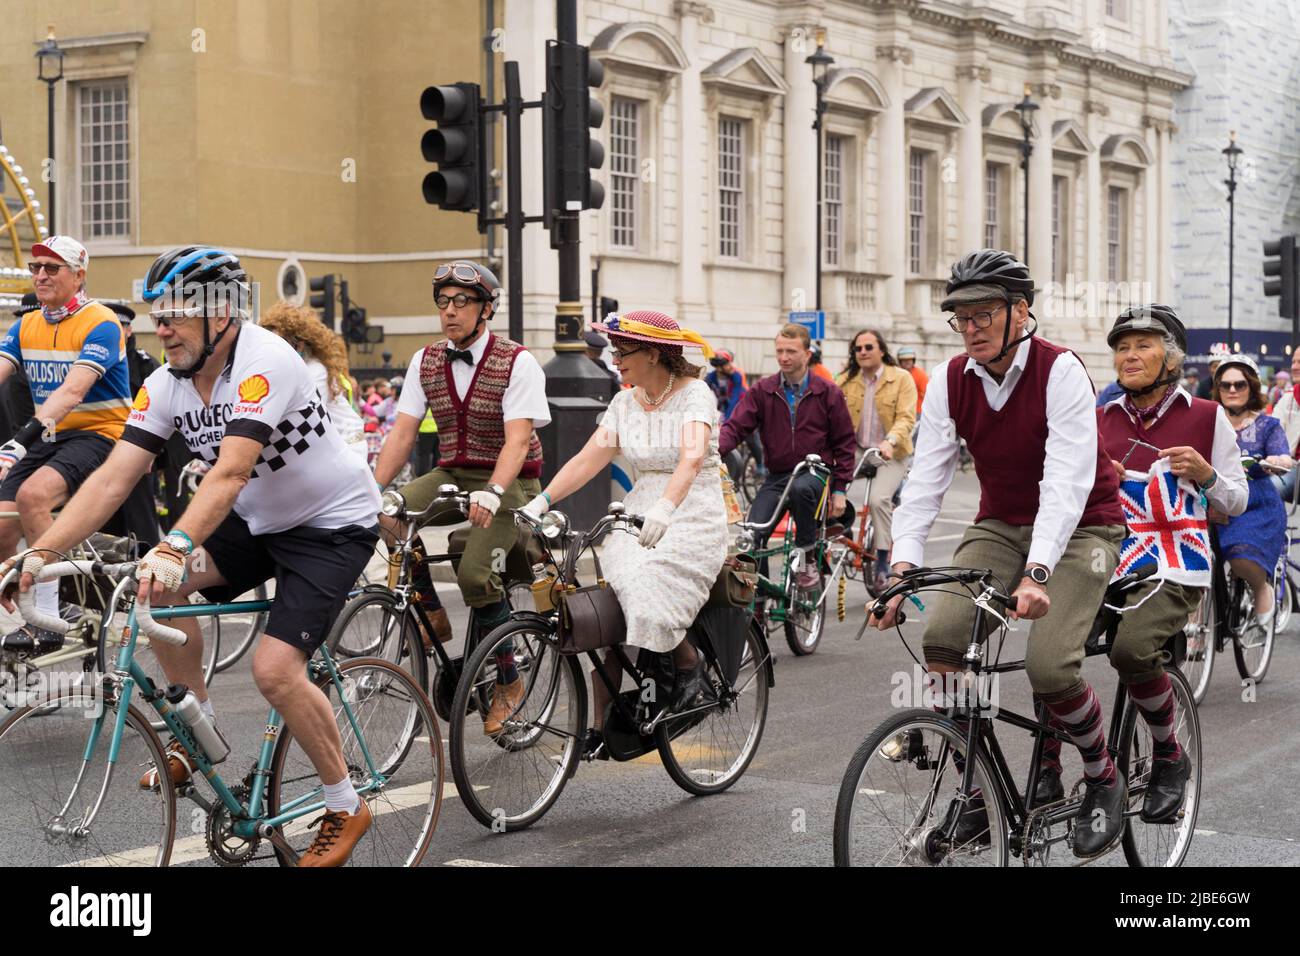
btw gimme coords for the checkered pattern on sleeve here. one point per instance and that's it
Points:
(291, 438)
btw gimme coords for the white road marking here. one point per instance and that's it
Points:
(474, 863)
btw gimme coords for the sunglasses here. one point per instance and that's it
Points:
(175, 318)
(1234, 386)
(51, 268)
(460, 299)
(864, 348)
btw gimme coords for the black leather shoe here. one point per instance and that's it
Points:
(1101, 818)
(1166, 789)
(31, 641)
(689, 683)
(1049, 788)
(973, 826)
(593, 748)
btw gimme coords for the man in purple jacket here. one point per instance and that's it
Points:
(797, 414)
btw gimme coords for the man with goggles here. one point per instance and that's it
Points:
(487, 395)
(73, 352)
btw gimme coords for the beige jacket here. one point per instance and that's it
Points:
(895, 404)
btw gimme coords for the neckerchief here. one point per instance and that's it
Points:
(74, 305)
(1148, 416)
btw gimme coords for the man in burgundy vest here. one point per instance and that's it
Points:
(1049, 523)
(486, 394)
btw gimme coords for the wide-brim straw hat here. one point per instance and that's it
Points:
(654, 328)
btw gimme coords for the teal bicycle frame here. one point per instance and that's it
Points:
(246, 820)
(782, 606)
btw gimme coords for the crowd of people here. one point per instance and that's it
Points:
(298, 451)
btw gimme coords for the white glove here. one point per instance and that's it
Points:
(485, 500)
(656, 522)
(27, 562)
(11, 453)
(538, 506)
(164, 564)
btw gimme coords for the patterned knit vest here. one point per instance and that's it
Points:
(1009, 446)
(472, 430)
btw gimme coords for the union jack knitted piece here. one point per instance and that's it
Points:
(1166, 526)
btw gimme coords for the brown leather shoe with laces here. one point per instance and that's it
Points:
(441, 625)
(179, 767)
(338, 834)
(505, 701)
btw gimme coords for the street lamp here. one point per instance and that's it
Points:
(1231, 152)
(1026, 109)
(821, 62)
(49, 69)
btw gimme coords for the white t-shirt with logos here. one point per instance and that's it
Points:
(304, 477)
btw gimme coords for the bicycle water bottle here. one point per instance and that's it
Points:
(205, 731)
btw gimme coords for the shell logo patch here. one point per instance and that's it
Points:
(254, 388)
(141, 402)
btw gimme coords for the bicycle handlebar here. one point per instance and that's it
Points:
(810, 462)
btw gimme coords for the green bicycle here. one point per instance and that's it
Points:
(70, 762)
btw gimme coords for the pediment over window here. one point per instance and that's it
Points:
(1068, 137)
(1003, 120)
(745, 71)
(1125, 149)
(853, 90)
(645, 47)
(936, 106)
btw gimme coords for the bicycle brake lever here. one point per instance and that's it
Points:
(983, 602)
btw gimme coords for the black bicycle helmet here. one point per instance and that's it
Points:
(190, 273)
(997, 269)
(1148, 318)
(468, 275)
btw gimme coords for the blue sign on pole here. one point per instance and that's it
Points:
(814, 322)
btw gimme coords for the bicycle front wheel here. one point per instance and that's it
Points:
(63, 808)
(707, 752)
(1197, 658)
(239, 631)
(1252, 646)
(386, 714)
(897, 792)
(1160, 844)
(805, 619)
(508, 781)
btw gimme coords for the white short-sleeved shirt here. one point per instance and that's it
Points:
(525, 394)
(304, 477)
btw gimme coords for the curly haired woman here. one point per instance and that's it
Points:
(327, 360)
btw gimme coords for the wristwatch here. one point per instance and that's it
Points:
(495, 489)
(179, 541)
(1037, 573)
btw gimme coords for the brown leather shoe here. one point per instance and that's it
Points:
(179, 768)
(441, 628)
(338, 834)
(505, 700)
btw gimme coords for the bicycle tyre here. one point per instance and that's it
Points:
(1200, 643)
(803, 631)
(37, 739)
(852, 786)
(1252, 646)
(241, 640)
(391, 806)
(485, 795)
(1134, 761)
(399, 645)
(677, 748)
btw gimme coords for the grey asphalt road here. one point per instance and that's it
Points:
(822, 707)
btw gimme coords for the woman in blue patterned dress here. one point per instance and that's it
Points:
(1255, 539)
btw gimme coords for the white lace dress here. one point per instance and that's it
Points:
(663, 588)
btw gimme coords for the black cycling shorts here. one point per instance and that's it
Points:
(314, 569)
(74, 455)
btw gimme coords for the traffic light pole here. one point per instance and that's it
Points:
(514, 202)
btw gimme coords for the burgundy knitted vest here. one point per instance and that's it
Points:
(1181, 424)
(1010, 446)
(472, 430)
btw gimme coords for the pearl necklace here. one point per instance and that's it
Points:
(655, 402)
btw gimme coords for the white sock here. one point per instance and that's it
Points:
(47, 598)
(206, 707)
(342, 796)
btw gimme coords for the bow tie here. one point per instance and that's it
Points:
(456, 354)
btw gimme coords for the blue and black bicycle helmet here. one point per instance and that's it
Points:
(189, 273)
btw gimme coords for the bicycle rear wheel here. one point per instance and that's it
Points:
(392, 713)
(707, 753)
(48, 788)
(896, 793)
(370, 625)
(509, 781)
(1160, 844)
(239, 631)
(1196, 659)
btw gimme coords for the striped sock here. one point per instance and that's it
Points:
(1081, 718)
(1155, 699)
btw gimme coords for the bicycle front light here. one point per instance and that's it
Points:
(392, 504)
(744, 541)
(554, 525)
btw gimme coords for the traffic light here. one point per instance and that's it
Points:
(569, 114)
(354, 325)
(1285, 267)
(456, 146)
(322, 289)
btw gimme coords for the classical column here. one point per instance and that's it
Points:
(1094, 112)
(799, 186)
(692, 297)
(1152, 186)
(891, 247)
(1040, 185)
(970, 149)
(1165, 285)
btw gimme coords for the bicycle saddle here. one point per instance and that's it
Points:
(523, 554)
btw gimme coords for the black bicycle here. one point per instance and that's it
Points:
(893, 807)
(509, 780)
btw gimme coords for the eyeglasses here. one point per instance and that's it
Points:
(457, 270)
(460, 299)
(620, 354)
(51, 268)
(982, 320)
(1240, 386)
(175, 318)
(864, 348)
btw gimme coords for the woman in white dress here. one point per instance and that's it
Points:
(666, 426)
